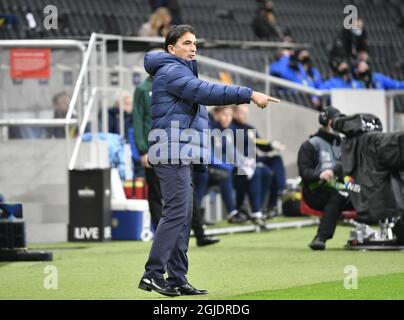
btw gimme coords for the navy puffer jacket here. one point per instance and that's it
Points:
(178, 99)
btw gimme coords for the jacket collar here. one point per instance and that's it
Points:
(154, 60)
(327, 136)
(192, 65)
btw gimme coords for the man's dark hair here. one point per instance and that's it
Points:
(57, 96)
(175, 33)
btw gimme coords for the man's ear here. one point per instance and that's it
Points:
(170, 49)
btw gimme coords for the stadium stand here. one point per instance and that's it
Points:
(314, 22)
(310, 21)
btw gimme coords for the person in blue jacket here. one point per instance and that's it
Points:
(179, 141)
(277, 67)
(375, 80)
(312, 76)
(296, 66)
(342, 79)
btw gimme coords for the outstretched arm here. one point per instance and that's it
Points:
(185, 85)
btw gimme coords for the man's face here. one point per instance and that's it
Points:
(343, 70)
(241, 114)
(362, 67)
(127, 103)
(342, 66)
(363, 56)
(62, 104)
(304, 56)
(185, 47)
(225, 117)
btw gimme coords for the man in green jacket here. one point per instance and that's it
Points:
(141, 127)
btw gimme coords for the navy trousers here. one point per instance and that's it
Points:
(170, 244)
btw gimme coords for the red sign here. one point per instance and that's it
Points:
(30, 63)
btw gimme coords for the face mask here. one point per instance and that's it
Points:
(356, 32)
(364, 75)
(306, 60)
(343, 72)
(293, 63)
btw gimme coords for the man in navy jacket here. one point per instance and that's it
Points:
(178, 140)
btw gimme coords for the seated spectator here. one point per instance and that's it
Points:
(271, 168)
(375, 80)
(25, 132)
(296, 66)
(312, 75)
(61, 102)
(158, 25)
(172, 6)
(348, 44)
(222, 118)
(113, 114)
(282, 58)
(342, 79)
(265, 25)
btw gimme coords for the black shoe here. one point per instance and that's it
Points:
(271, 213)
(208, 223)
(189, 290)
(158, 285)
(205, 241)
(237, 218)
(317, 244)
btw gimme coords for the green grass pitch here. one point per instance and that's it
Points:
(267, 265)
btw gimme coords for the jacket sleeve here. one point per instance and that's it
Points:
(326, 85)
(307, 162)
(139, 106)
(389, 83)
(318, 81)
(182, 83)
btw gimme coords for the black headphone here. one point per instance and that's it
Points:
(323, 117)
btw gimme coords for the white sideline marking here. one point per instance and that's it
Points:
(269, 226)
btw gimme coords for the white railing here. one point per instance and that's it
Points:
(86, 117)
(37, 122)
(56, 44)
(261, 76)
(52, 44)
